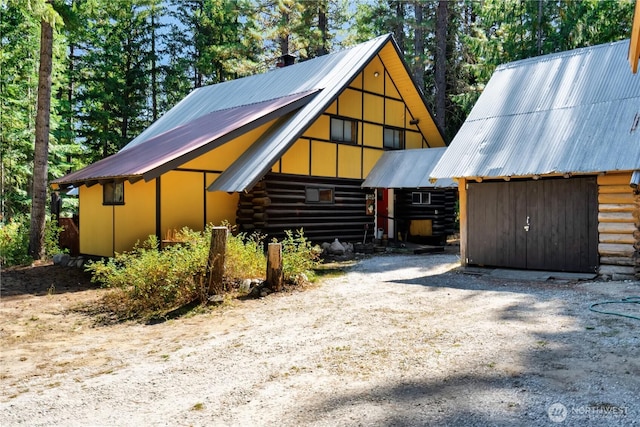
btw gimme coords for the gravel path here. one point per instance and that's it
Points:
(398, 340)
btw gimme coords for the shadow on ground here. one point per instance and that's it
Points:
(42, 280)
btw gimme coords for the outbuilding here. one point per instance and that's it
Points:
(548, 165)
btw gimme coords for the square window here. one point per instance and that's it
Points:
(319, 195)
(420, 198)
(113, 193)
(343, 130)
(393, 138)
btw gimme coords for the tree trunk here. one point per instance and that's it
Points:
(323, 26)
(399, 25)
(418, 68)
(41, 150)
(154, 70)
(441, 61)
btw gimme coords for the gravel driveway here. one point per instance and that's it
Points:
(398, 340)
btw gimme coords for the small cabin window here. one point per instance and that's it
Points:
(393, 138)
(113, 193)
(420, 198)
(319, 195)
(343, 130)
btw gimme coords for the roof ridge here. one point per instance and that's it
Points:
(557, 55)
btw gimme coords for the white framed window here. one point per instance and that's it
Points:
(420, 198)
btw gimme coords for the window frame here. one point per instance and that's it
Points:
(399, 132)
(344, 121)
(421, 195)
(113, 193)
(319, 200)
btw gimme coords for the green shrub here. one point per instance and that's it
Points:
(14, 242)
(299, 257)
(52, 238)
(245, 257)
(149, 281)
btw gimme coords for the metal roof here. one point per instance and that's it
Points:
(570, 112)
(407, 169)
(333, 73)
(168, 150)
(213, 115)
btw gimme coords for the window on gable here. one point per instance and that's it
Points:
(393, 138)
(113, 193)
(319, 195)
(420, 198)
(343, 130)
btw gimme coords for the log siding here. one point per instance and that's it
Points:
(618, 226)
(278, 203)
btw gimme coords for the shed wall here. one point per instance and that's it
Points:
(618, 222)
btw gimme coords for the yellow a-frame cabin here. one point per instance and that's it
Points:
(286, 149)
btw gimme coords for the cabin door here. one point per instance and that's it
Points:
(384, 210)
(549, 224)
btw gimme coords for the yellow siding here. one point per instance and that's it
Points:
(394, 113)
(296, 159)
(371, 82)
(357, 83)
(136, 219)
(350, 104)
(276, 167)
(182, 201)
(372, 135)
(323, 155)
(414, 140)
(411, 97)
(390, 88)
(319, 129)
(349, 163)
(223, 156)
(373, 108)
(333, 108)
(370, 159)
(220, 206)
(96, 222)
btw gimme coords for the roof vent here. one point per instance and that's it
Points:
(286, 60)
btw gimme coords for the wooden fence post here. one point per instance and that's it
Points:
(275, 275)
(215, 264)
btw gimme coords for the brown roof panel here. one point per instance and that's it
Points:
(174, 147)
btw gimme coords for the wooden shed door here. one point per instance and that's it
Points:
(549, 224)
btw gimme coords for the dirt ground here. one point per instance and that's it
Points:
(396, 340)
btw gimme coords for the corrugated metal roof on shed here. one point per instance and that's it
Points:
(407, 169)
(571, 112)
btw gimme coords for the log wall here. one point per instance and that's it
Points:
(618, 226)
(441, 211)
(278, 203)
